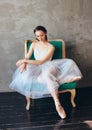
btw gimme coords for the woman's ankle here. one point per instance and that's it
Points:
(57, 102)
(60, 109)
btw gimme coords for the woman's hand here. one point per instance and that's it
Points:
(22, 67)
(19, 62)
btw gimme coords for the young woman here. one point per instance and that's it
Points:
(42, 76)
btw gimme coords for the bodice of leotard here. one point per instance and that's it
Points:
(40, 54)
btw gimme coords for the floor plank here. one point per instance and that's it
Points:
(42, 115)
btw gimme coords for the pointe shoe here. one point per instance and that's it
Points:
(61, 111)
(28, 106)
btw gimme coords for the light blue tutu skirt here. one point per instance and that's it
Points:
(39, 81)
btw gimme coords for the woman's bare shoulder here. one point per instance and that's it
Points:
(34, 42)
(51, 46)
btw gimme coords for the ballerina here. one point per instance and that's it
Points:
(41, 77)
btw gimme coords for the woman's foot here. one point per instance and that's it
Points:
(60, 110)
(75, 79)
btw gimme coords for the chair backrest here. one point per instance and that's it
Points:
(59, 48)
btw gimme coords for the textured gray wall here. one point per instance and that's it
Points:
(67, 19)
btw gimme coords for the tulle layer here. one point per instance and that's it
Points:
(39, 81)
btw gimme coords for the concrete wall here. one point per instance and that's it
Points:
(67, 19)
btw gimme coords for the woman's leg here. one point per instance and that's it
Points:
(28, 103)
(51, 82)
(59, 108)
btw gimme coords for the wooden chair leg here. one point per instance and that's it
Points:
(73, 94)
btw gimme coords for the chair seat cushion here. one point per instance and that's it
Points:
(66, 86)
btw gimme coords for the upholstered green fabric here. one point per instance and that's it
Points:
(68, 86)
(57, 55)
(58, 49)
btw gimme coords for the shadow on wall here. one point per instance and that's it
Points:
(70, 48)
(73, 52)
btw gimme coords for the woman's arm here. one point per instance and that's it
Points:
(31, 49)
(39, 62)
(27, 54)
(25, 47)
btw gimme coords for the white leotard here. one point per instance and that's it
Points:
(40, 54)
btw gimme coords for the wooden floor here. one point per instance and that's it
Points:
(42, 115)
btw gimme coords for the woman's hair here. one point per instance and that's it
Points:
(41, 28)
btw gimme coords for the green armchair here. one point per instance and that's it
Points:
(59, 45)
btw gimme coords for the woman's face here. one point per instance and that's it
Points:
(40, 35)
